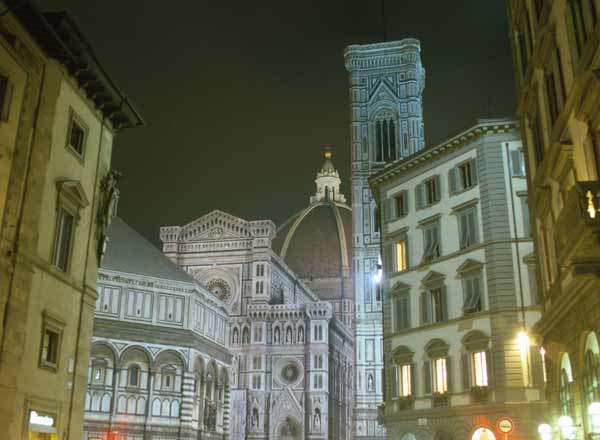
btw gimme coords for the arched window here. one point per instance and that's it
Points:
(591, 371)
(566, 380)
(236, 336)
(133, 375)
(385, 140)
(301, 335)
(246, 336)
(277, 335)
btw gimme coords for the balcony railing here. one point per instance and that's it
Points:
(440, 400)
(578, 228)
(480, 394)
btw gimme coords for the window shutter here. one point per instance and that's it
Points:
(419, 196)
(449, 374)
(463, 230)
(405, 312)
(413, 380)
(427, 376)
(444, 304)
(394, 381)
(453, 180)
(424, 300)
(404, 202)
(391, 209)
(389, 258)
(474, 174)
(438, 187)
(477, 292)
(466, 371)
(490, 368)
(537, 374)
(473, 227)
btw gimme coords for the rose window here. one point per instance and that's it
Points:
(220, 289)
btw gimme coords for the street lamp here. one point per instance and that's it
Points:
(594, 413)
(567, 427)
(545, 431)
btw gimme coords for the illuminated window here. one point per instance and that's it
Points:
(591, 371)
(566, 392)
(401, 260)
(405, 380)
(439, 375)
(479, 369)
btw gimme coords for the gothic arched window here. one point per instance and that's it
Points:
(385, 140)
(566, 393)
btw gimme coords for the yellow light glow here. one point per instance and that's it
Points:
(523, 341)
(591, 209)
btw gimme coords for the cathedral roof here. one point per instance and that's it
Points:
(127, 251)
(316, 242)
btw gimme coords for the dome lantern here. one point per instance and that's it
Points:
(328, 182)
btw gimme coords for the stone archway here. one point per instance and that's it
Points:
(289, 429)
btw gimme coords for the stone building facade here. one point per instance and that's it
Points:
(460, 290)
(386, 124)
(160, 365)
(293, 355)
(556, 53)
(59, 114)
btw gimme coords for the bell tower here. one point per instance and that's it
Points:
(386, 124)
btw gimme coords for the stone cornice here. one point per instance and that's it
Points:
(382, 55)
(477, 131)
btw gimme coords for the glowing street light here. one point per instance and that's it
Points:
(523, 341)
(378, 274)
(594, 413)
(567, 427)
(545, 431)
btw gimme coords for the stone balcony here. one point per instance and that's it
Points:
(578, 231)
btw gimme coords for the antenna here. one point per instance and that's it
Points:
(383, 21)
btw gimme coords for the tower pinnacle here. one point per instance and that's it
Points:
(328, 181)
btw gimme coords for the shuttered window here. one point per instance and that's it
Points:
(402, 312)
(463, 176)
(472, 294)
(434, 305)
(431, 242)
(468, 228)
(428, 192)
(517, 163)
(401, 204)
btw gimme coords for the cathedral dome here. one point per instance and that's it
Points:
(316, 242)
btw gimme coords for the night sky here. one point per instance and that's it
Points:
(239, 97)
